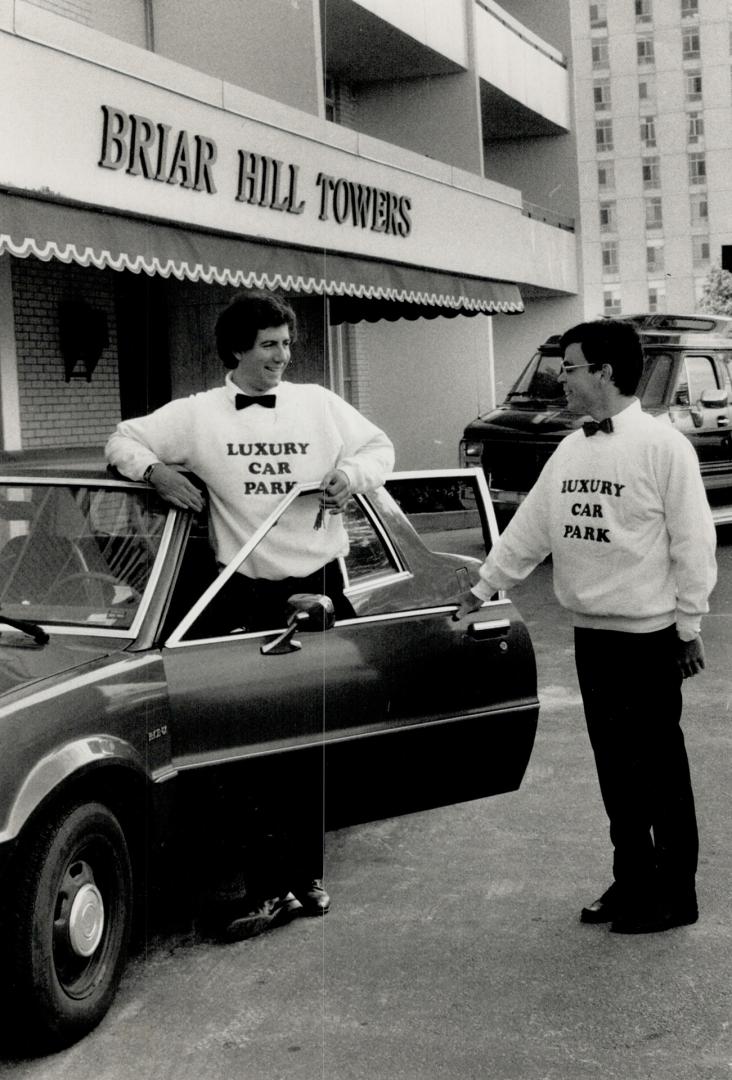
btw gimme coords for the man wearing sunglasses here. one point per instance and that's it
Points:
(621, 508)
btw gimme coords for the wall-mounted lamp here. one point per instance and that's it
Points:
(83, 337)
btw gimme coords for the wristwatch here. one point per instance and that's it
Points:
(148, 471)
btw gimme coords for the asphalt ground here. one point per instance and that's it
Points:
(453, 950)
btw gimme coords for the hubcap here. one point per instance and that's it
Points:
(86, 920)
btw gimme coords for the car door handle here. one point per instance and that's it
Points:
(493, 629)
(722, 421)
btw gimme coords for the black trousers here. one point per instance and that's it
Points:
(285, 827)
(260, 604)
(631, 690)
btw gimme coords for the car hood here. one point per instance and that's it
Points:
(526, 420)
(23, 663)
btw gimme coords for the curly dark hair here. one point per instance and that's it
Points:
(238, 324)
(609, 341)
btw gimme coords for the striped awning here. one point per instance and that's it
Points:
(360, 288)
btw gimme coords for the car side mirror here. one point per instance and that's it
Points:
(308, 611)
(714, 399)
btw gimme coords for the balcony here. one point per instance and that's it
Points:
(373, 40)
(524, 82)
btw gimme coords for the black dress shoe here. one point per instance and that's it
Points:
(602, 910)
(654, 920)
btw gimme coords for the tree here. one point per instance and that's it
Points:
(716, 299)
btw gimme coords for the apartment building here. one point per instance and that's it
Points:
(403, 170)
(653, 82)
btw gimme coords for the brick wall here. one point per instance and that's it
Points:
(360, 380)
(52, 411)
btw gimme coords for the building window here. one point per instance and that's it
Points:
(611, 301)
(651, 172)
(693, 86)
(648, 131)
(689, 8)
(598, 14)
(599, 54)
(332, 99)
(654, 258)
(700, 250)
(694, 126)
(643, 13)
(654, 213)
(647, 92)
(699, 209)
(601, 93)
(608, 217)
(604, 135)
(656, 298)
(606, 176)
(697, 168)
(609, 251)
(690, 44)
(644, 47)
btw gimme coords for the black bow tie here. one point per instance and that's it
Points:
(591, 427)
(267, 401)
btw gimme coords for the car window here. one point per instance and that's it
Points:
(386, 569)
(447, 512)
(727, 368)
(368, 557)
(696, 374)
(655, 380)
(77, 554)
(368, 562)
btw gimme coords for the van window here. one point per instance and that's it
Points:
(696, 374)
(655, 379)
(540, 380)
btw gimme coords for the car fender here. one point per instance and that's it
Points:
(62, 765)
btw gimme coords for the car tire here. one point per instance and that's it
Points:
(70, 923)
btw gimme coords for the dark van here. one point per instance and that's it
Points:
(686, 382)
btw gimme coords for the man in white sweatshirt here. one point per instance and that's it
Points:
(251, 441)
(621, 508)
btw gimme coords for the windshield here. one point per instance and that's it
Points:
(540, 380)
(76, 554)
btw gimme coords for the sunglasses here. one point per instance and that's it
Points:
(565, 368)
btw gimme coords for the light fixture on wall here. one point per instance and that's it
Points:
(83, 337)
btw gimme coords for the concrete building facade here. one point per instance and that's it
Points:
(653, 91)
(405, 172)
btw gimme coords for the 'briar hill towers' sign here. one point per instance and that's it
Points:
(157, 152)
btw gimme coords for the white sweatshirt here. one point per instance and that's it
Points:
(627, 523)
(250, 458)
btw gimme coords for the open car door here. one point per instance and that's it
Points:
(403, 707)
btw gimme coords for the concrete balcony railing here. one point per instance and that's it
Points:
(513, 61)
(437, 24)
(549, 217)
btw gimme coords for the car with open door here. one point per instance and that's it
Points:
(140, 706)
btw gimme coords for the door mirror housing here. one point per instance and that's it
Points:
(308, 611)
(714, 399)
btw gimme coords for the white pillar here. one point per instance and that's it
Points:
(491, 364)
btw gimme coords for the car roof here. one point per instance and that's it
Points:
(665, 329)
(698, 323)
(76, 462)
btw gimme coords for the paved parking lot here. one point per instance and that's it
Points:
(453, 950)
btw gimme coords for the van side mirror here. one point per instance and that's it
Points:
(714, 399)
(308, 611)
